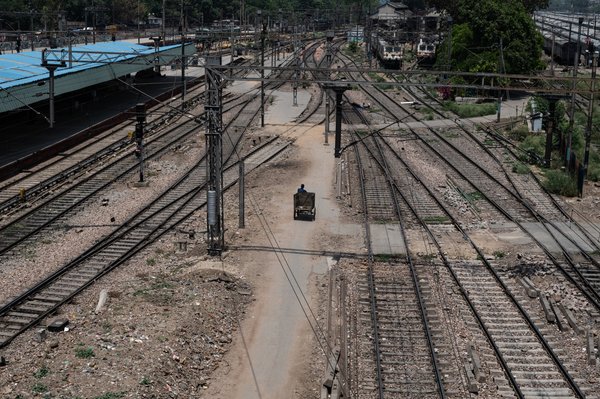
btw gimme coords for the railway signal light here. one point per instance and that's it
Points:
(139, 132)
(140, 112)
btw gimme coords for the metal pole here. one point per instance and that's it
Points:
(138, 22)
(262, 75)
(338, 121)
(183, 83)
(51, 94)
(588, 129)
(572, 109)
(242, 199)
(232, 52)
(163, 26)
(214, 129)
(552, 53)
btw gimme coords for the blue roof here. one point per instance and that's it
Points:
(25, 67)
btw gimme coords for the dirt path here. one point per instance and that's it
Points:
(273, 348)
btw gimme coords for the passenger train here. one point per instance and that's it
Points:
(389, 55)
(425, 49)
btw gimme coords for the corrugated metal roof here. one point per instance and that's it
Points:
(22, 68)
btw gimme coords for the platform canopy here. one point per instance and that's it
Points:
(23, 79)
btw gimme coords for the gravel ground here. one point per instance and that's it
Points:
(169, 327)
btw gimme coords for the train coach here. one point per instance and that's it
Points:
(564, 50)
(425, 50)
(389, 55)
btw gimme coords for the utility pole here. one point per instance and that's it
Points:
(502, 71)
(183, 60)
(329, 35)
(574, 87)
(214, 170)
(588, 129)
(552, 53)
(163, 25)
(263, 36)
(51, 68)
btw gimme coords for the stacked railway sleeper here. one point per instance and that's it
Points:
(170, 209)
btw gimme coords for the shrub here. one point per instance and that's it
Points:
(42, 372)
(520, 168)
(84, 353)
(593, 173)
(499, 254)
(39, 388)
(519, 133)
(470, 110)
(559, 182)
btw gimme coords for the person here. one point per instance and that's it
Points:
(301, 189)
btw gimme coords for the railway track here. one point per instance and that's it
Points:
(486, 178)
(165, 213)
(524, 381)
(405, 361)
(168, 211)
(47, 212)
(38, 181)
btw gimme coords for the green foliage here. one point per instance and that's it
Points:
(151, 261)
(84, 353)
(499, 254)
(473, 196)
(436, 220)
(559, 182)
(520, 168)
(593, 173)
(470, 110)
(519, 133)
(145, 381)
(111, 395)
(535, 144)
(481, 28)
(42, 372)
(39, 388)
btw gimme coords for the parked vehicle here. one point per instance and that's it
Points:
(304, 206)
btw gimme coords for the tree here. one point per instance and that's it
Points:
(490, 36)
(454, 6)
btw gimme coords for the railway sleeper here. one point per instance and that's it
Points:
(67, 285)
(547, 393)
(21, 315)
(28, 307)
(49, 297)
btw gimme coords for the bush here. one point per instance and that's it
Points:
(470, 110)
(535, 144)
(519, 133)
(84, 353)
(559, 182)
(593, 173)
(520, 168)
